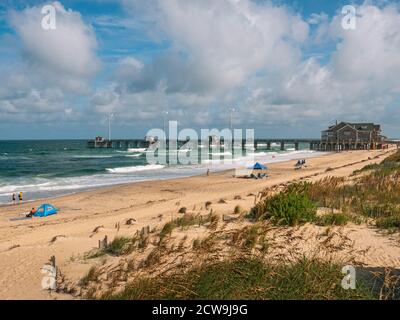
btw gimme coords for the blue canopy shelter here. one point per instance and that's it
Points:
(259, 166)
(259, 171)
(45, 210)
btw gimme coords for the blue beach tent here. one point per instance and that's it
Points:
(45, 210)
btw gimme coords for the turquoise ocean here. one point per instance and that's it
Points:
(47, 168)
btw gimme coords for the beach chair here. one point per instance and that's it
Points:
(258, 175)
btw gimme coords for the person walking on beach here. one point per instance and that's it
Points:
(20, 197)
(13, 198)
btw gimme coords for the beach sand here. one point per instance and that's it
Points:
(86, 217)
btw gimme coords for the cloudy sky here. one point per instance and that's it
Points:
(288, 68)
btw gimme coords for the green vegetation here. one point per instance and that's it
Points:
(374, 195)
(392, 222)
(187, 221)
(120, 245)
(237, 210)
(167, 229)
(247, 278)
(250, 237)
(124, 245)
(290, 208)
(337, 219)
(204, 244)
(368, 167)
(394, 158)
(92, 275)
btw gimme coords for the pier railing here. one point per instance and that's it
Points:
(258, 143)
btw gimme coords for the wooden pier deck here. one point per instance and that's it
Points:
(258, 143)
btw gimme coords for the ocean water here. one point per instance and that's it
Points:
(42, 169)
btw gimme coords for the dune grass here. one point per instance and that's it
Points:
(91, 275)
(248, 278)
(187, 221)
(374, 195)
(119, 245)
(336, 219)
(392, 222)
(289, 207)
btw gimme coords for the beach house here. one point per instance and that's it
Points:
(352, 136)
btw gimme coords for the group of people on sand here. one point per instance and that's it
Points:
(14, 198)
(300, 163)
(20, 199)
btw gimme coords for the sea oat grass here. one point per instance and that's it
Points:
(247, 278)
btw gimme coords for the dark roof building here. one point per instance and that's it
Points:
(349, 135)
(352, 132)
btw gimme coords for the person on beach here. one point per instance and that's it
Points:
(31, 213)
(13, 198)
(20, 197)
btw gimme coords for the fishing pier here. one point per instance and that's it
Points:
(258, 144)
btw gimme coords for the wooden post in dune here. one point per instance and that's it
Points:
(145, 231)
(103, 243)
(53, 261)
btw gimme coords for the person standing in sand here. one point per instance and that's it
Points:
(20, 197)
(13, 198)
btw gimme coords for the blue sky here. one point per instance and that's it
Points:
(287, 67)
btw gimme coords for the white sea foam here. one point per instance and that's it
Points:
(92, 156)
(136, 155)
(136, 149)
(135, 168)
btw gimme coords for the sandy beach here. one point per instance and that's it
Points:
(84, 218)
